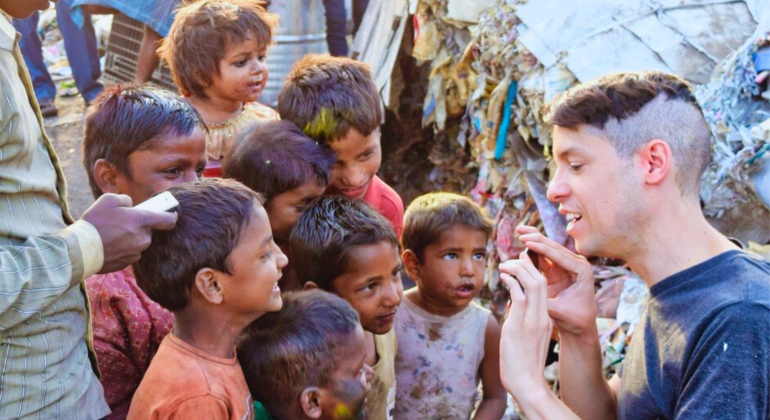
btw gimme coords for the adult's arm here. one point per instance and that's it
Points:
(524, 343)
(35, 273)
(572, 307)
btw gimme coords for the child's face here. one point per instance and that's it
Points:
(452, 271)
(170, 161)
(358, 160)
(255, 263)
(242, 73)
(284, 209)
(350, 382)
(372, 285)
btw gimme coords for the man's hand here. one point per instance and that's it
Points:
(526, 331)
(125, 231)
(571, 304)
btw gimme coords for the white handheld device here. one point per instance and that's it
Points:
(164, 201)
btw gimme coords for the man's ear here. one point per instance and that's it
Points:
(105, 176)
(207, 284)
(310, 286)
(411, 264)
(310, 400)
(656, 159)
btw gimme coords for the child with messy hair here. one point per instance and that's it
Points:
(447, 343)
(335, 101)
(345, 247)
(306, 361)
(217, 271)
(277, 160)
(217, 53)
(138, 140)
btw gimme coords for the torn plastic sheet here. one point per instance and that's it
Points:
(686, 37)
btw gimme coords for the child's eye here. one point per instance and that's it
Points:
(367, 155)
(267, 255)
(369, 287)
(199, 171)
(262, 58)
(241, 63)
(479, 256)
(575, 167)
(173, 172)
(450, 256)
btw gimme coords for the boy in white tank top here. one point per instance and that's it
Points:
(446, 342)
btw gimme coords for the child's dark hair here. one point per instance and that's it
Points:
(430, 215)
(327, 231)
(212, 214)
(282, 353)
(275, 157)
(327, 96)
(124, 119)
(201, 34)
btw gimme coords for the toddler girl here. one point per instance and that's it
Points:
(217, 53)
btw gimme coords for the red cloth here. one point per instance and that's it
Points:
(128, 328)
(387, 202)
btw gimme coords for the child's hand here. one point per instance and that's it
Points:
(526, 332)
(571, 302)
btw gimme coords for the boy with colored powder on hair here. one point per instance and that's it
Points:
(345, 247)
(306, 361)
(216, 278)
(138, 140)
(277, 160)
(447, 343)
(217, 53)
(335, 101)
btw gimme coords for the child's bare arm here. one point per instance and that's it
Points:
(493, 405)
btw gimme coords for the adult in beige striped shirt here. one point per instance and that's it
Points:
(47, 365)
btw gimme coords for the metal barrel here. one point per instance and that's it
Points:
(301, 30)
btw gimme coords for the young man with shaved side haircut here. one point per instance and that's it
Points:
(630, 149)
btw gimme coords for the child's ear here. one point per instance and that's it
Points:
(207, 284)
(105, 176)
(411, 264)
(310, 400)
(310, 286)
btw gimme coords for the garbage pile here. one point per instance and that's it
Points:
(736, 186)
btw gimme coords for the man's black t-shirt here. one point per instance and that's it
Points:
(702, 347)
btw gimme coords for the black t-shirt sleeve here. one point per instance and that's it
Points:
(729, 368)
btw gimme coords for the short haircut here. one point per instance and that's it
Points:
(327, 96)
(275, 157)
(212, 214)
(282, 353)
(124, 119)
(203, 31)
(327, 231)
(629, 109)
(430, 215)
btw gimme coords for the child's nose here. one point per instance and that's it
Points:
(368, 374)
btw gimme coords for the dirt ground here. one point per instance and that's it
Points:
(66, 134)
